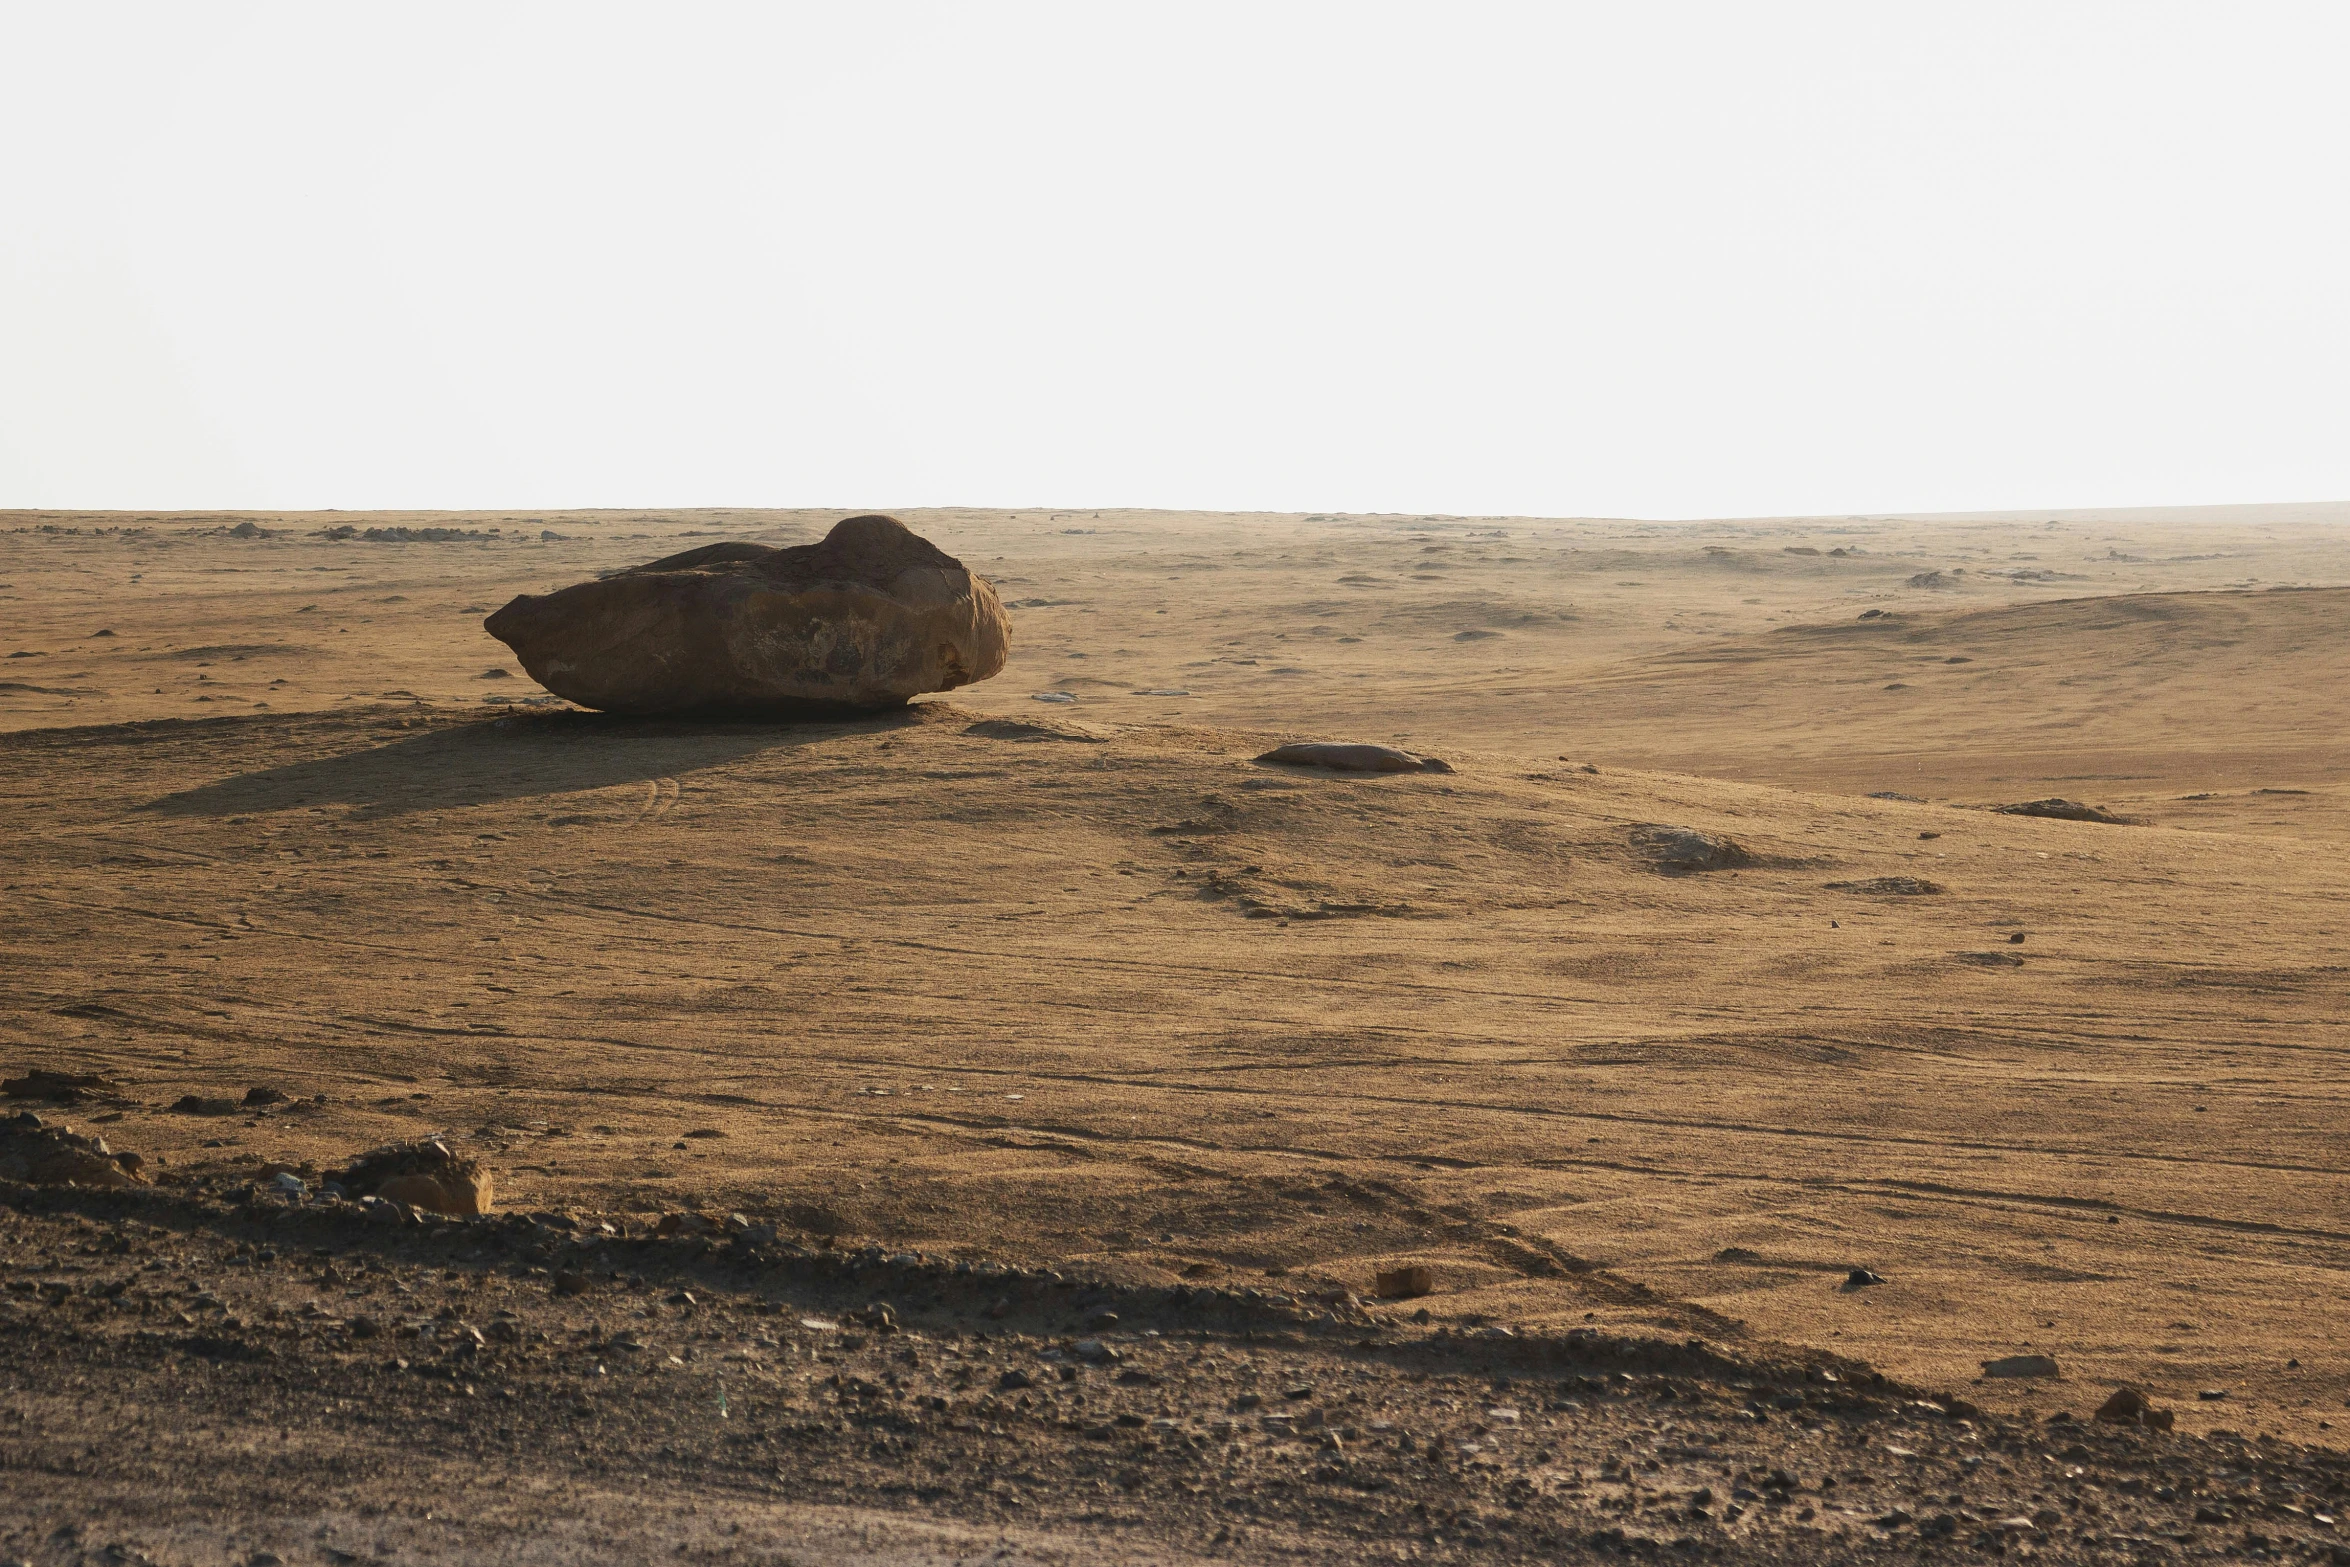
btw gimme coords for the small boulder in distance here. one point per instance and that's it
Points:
(869, 618)
(1405, 1283)
(2021, 1366)
(2129, 1407)
(1680, 850)
(1890, 887)
(2055, 809)
(1344, 758)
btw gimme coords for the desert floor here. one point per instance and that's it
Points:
(1078, 983)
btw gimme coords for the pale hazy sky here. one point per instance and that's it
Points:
(1615, 259)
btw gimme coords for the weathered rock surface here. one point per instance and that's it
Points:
(871, 617)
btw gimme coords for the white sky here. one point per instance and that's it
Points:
(1629, 258)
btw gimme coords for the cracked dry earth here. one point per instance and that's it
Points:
(207, 1377)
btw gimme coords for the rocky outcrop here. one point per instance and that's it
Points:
(49, 1154)
(427, 1174)
(869, 618)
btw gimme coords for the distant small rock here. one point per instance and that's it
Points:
(2021, 1366)
(1404, 1283)
(1862, 1278)
(2129, 1407)
(2062, 810)
(1740, 1253)
(497, 674)
(1344, 758)
(1680, 850)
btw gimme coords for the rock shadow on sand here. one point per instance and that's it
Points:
(511, 758)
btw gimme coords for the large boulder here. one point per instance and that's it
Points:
(869, 618)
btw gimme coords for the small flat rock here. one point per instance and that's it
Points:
(1340, 757)
(2021, 1366)
(1890, 887)
(2062, 810)
(58, 1087)
(1405, 1283)
(2129, 1407)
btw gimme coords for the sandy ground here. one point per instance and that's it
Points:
(1080, 983)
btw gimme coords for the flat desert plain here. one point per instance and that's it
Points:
(1051, 972)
